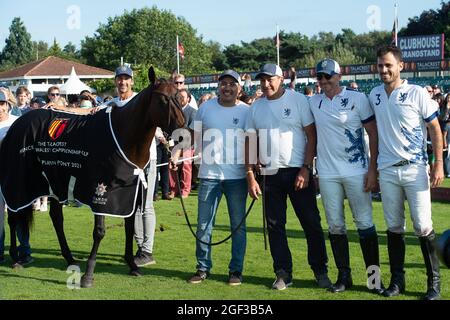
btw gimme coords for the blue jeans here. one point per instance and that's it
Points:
(209, 195)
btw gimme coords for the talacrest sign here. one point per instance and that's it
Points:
(421, 48)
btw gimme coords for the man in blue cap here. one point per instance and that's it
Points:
(344, 167)
(287, 141)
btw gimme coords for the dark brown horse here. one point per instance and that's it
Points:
(133, 127)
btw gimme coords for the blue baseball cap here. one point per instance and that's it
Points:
(124, 70)
(231, 73)
(328, 66)
(271, 70)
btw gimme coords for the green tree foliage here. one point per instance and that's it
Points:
(338, 52)
(55, 50)
(147, 36)
(431, 22)
(18, 48)
(40, 50)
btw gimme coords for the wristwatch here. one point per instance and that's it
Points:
(308, 166)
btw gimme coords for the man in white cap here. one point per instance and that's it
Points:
(344, 168)
(287, 141)
(405, 113)
(222, 172)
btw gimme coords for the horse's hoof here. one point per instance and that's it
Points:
(86, 282)
(17, 266)
(135, 273)
(73, 263)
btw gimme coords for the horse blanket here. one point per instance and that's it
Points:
(43, 149)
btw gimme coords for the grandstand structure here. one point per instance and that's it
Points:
(365, 75)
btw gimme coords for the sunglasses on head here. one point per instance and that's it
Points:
(323, 75)
(54, 94)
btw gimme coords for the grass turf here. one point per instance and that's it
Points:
(174, 252)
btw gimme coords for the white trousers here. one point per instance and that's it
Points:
(333, 191)
(413, 183)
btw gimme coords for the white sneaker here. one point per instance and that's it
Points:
(43, 207)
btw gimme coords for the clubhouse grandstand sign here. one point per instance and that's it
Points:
(422, 48)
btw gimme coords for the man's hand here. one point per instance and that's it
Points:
(302, 179)
(254, 190)
(371, 181)
(437, 174)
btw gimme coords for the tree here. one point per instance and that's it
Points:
(40, 50)
(431, 22)
(18, 48)
(55, 49)
(147, 36)
(338, 52)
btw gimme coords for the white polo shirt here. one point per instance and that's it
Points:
(341, 149)
(280, 124)
(121, 103)
(401, 121)
(223, 140)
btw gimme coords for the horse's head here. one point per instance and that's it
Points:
(167, 110)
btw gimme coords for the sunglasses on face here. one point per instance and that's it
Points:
(320, 76)
(179, 82)
(54, 94)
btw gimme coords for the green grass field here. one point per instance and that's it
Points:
(174, 252)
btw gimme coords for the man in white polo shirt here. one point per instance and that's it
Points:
(404, 112)
(287, 141)
(341, 116)
(220, 124)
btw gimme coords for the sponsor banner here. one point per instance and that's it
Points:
(359, 69)
(305, 73)
(422, 48)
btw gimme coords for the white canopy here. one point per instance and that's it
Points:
(73, 85)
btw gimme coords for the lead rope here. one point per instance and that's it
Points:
(187, 218)
(192, 230)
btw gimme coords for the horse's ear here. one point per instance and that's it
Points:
(151, 75)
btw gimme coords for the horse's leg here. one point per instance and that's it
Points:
(129, 258)
(87, 280)
(12, 222)
(56, 214)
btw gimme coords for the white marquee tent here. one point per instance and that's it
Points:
(73, 85)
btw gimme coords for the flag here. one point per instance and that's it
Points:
(277, 40)
(394, 34)
(394, 41)
(181, 50)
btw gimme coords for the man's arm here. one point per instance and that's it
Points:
(302, 179)
(437, 170)
(251, 150)
(370, 183)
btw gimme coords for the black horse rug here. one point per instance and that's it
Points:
(44, 148)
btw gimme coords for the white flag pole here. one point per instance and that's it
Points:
(396, 24)
(178, 57)
(278, 46)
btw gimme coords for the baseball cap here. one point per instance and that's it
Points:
(231, 73)
(124, 70)
(39, 101)
(270, 69)
(328, 66)
(3, 97)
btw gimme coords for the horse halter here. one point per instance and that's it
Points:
(173, 101)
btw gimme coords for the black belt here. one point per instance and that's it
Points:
(402, 163)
